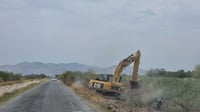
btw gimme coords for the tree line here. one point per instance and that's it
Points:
(9, 76)
(35, 76)
(178, 74)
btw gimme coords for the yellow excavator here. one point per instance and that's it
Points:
(111, 83)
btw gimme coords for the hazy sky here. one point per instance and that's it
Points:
(101, 32)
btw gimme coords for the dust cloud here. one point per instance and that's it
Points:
(145, 95)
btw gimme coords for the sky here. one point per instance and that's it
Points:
(101, 32)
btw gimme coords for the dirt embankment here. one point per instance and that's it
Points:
(105, 104)
(11, 88)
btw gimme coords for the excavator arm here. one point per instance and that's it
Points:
(123, 64)
(126, 62)
(134, 83)
(136, 65)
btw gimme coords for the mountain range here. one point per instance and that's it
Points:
(26, 68)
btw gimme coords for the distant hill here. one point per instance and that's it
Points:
(26, 68)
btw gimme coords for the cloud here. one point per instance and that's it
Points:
(101, 32)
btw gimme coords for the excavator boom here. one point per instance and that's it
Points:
(123, 64)
(126, 62)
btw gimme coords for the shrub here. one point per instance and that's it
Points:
(68, 78)
(197, 71)
(179, 94)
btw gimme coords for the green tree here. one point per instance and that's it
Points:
(180, 74)
(89, 74)
(68, 78)
(9, 76)
(156, 72)
(42, 76)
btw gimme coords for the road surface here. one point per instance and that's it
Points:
(51, 96)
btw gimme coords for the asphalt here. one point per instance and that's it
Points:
(51, 96)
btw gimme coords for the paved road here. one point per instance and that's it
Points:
(51, 96)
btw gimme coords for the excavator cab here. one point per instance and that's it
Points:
(106, 77)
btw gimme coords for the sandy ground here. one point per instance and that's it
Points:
(11, 88)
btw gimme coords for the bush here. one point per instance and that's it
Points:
(35, 76)
(8, 76)
(197, 71)
(68, 78)
(1, 79)
(163, 73)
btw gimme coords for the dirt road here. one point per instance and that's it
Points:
(51, 96)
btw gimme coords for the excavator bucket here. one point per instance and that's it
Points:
(134, 84)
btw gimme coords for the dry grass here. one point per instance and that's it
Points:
(14, 82)
(10, 82)
(7, 96)
(102, 103)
